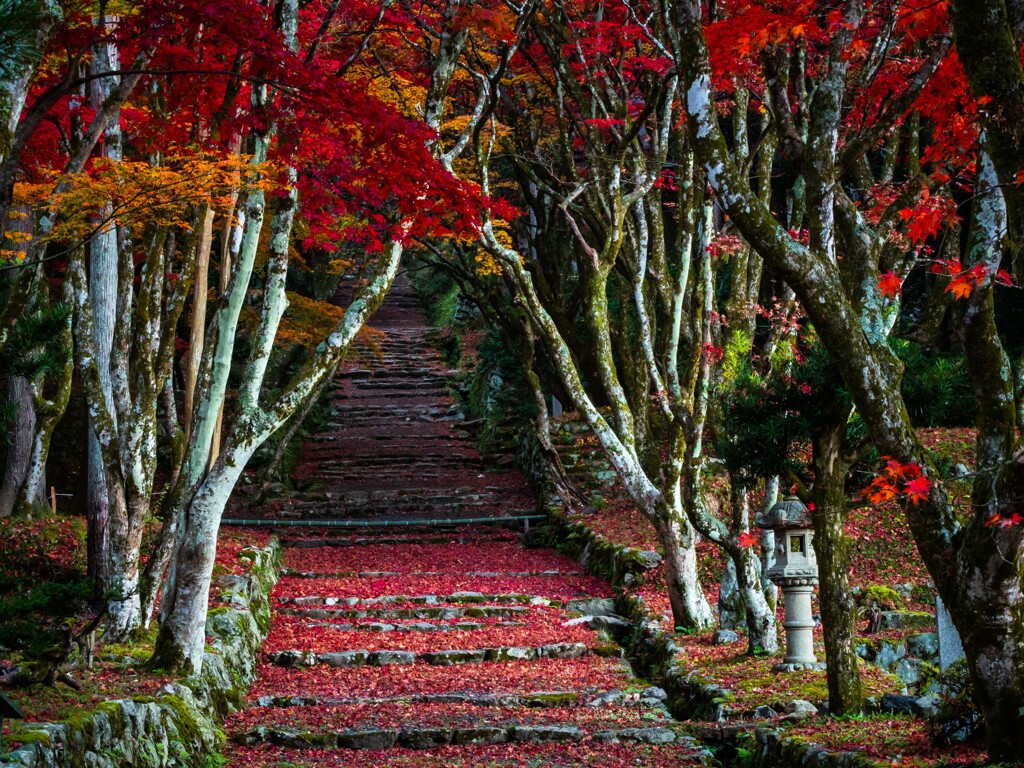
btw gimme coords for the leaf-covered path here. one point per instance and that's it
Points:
(440, 645)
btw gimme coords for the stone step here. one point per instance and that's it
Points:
(405, 462)
(294, 659)
(432, 738)
(425, 612)
(411, 509)
(435, 520)
(415, 626)
(534, 699)
(404, 384)
(468, 574)
(392, 371)
(456, 598)
(416, 434)
(425, 536)
(413, 489)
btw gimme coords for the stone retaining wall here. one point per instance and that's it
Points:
(180, 726)
(620, 566)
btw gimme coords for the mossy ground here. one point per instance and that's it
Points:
(900, 741)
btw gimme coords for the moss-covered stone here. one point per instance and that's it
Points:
(181, 725)
(551, 699)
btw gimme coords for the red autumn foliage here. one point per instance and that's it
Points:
(512, 755)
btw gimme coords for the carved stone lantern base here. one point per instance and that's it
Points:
(799, 624)
(800, 666)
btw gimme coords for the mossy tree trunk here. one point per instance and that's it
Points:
(19, 445)
(834, 549)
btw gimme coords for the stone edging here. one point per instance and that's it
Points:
(768, 748)
(690, 696)
(619, 565)
(180, 726)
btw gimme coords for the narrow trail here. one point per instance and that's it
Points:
(434, 641)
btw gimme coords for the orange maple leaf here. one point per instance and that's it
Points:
(880, 491)
(960, 286)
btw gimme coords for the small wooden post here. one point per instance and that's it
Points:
(10, 710)
(53, 498)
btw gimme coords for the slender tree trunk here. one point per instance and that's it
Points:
(762, 629)
(183, 610)
(198, 321)
(103, 287)
(771, 591)
(19, 449)
(124, 614)
(49, 413)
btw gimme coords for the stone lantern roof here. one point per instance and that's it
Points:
(786, 514)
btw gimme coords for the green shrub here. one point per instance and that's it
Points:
(936, 388)
(959, 718)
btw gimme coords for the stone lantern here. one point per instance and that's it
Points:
(796, 572)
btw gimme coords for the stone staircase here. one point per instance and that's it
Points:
(395, 451)
(424, 639)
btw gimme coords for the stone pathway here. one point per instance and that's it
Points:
(395, 450)
(436, 642)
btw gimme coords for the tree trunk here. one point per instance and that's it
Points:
(48, 415)
(731, 613)
(771, 590)
(19, 449)
(833, 548)
(690, 607)
(124, 615)
(179, 644)
(992, 631)
(762, 629)
(198, 322)
(103, 279)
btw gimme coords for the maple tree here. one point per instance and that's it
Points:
(849, 324)
(129, 185)
(650, 200)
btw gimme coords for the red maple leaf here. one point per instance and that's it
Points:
(1014, 519)
(890, 285)
(746, 539)
(918, 488)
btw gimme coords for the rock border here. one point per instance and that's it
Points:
(767, 748)
(180, 726)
